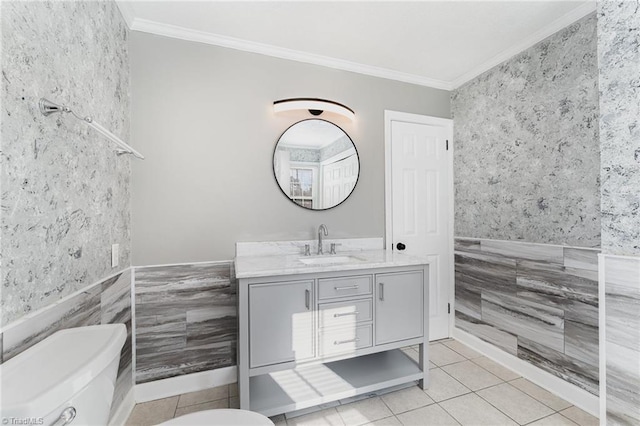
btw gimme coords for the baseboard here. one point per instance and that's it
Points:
(123, 412)
(571, 393)
(173, 386)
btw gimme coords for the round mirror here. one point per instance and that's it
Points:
(316, 164)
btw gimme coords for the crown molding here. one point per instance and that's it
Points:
(555, 26)
(182, 33)
(173, 31)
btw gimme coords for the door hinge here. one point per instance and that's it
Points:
(447, 144)
(448, 308)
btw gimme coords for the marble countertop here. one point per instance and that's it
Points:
(264, 266)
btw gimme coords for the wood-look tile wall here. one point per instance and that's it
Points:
(622, 307)
(535, 301)
(185, 319)
(106, 302)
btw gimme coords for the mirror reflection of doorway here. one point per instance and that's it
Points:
(316, 164)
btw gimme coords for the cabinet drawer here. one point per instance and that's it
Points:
(337, 341)
(345, 313)
(330, 288)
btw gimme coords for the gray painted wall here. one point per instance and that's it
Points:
(65, 194)
(202, 115)
(619, 62)
(526, 145)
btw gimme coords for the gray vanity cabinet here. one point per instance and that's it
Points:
(399, 306)
(308, 339)
(281, 326)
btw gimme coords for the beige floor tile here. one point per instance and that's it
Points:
(328, 417)
(412, 353)
(211, 405)
(554, 420)
(581, 417)
(365, 411)
(406, 399)
(233, 389)
(496, 369)
(388, 421)
(426, 416)
(442, 386)
(441, 355)
(472, 375)
(547, 398)
(462, 349)
(207, 395)
(153, 412)
(470, 409)
(514, 403)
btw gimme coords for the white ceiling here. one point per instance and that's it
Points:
(311, 134)
(433, 43)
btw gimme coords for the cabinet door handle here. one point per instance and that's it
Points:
(381, 292)
(307, 299)
(342, 342)
(344, 314)
(349, 287)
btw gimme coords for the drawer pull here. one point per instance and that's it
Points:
(344, 314)
(342, 342)
(349, 287)
(307, 299)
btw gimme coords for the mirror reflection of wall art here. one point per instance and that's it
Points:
(316, 164)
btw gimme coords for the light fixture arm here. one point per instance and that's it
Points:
(47, 108)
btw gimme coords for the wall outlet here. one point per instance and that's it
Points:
(115, 255)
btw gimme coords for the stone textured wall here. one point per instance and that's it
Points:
(186, 319)
(619, 62)
(535, 301)
(526, 145)
(65, 194)
(104, 302)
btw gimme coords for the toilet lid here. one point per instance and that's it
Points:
(221, 417)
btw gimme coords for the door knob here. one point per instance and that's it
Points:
(401, 246)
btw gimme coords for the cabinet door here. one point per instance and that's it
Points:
(280, 322)
(399, 306)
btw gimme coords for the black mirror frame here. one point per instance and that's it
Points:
(276, 178)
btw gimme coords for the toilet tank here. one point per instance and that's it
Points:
(76, 367)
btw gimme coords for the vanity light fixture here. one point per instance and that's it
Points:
(47, 108)
(314, 106)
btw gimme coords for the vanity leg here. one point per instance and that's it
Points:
(243, 344)
(423, 356)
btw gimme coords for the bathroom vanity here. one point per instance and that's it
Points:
(315, 329)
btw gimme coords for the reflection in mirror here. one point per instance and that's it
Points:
(316, 164)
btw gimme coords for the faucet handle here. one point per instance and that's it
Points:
(307, 250)
(333, 247)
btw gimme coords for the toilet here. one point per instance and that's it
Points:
(69, 378)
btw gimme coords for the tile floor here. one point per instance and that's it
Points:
(466, 389)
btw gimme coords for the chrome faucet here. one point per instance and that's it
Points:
(322, 228)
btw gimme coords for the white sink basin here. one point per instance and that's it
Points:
(328, 260)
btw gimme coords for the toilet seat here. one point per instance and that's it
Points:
(221, 417)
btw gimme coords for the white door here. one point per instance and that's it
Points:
(338, 180)
(420, 206)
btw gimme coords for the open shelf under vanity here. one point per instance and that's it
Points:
(303, 387)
